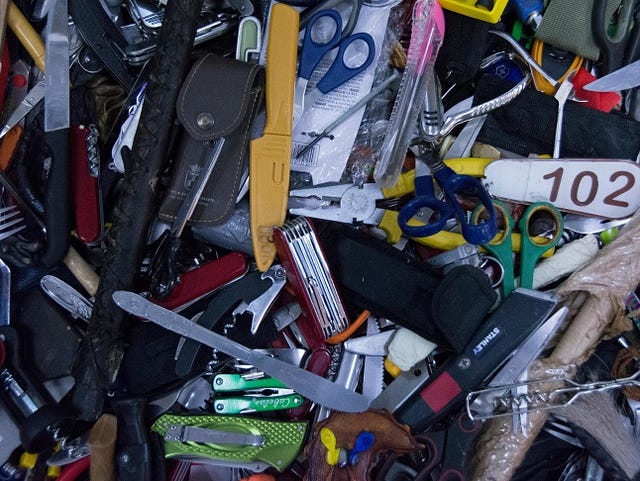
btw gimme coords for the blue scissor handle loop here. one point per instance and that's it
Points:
(453, 184)
(340, 72)
(425, 197)
(313, 51)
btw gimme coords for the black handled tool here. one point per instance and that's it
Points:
(494, 343)
(57, 198)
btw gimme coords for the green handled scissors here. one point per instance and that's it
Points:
(539, 220)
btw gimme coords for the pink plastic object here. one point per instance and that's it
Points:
(427, 32)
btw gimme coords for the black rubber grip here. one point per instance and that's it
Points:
(57, 199)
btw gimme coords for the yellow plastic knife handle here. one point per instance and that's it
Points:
(28, 37)
(282, 51)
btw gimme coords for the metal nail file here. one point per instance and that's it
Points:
(310, 385)
(270, 155)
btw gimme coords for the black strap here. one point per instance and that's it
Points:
(104, 38)
(527, 125)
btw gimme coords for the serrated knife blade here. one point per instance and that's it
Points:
(373, 371)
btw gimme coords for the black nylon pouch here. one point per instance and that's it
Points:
(527, 125)
(219, 98)
(374, 275)
(465, 42)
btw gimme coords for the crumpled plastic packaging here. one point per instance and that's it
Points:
(595, 296)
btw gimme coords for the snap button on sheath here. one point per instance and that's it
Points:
(205, 120)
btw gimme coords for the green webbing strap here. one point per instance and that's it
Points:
(566, 24)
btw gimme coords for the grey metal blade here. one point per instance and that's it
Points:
(194, 434)
(461, 147)
(403, 387)
(371, 344)
(624, 78)
(56, 79)
(529, 350)
(310, 385)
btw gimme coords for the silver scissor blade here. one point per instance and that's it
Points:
(35, 95)
(310, 385)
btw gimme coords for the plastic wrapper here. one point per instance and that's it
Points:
(595, 296)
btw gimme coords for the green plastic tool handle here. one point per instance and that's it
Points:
(239, 404)
(236, 382)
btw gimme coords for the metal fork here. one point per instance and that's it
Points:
(9, 223)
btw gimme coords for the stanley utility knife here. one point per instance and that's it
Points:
(494, 343)
(270, 155)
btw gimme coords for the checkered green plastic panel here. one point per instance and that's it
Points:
(283, 439)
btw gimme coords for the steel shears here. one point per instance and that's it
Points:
(350, 60)
(539, 221)
(429, 167)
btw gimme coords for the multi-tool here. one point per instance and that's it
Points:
(237, 394)
(311, 279)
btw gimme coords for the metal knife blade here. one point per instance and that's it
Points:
(371, 344)
(316, 388)
(56, 80)
(56, 127)
(624, 78)
(403, 387)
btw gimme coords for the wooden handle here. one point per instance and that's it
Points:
(82, 271)
(102, 443)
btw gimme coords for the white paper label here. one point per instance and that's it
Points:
(598, 187)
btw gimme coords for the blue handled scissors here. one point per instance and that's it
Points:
(539, 220)
(348, 63)
(429, 167)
